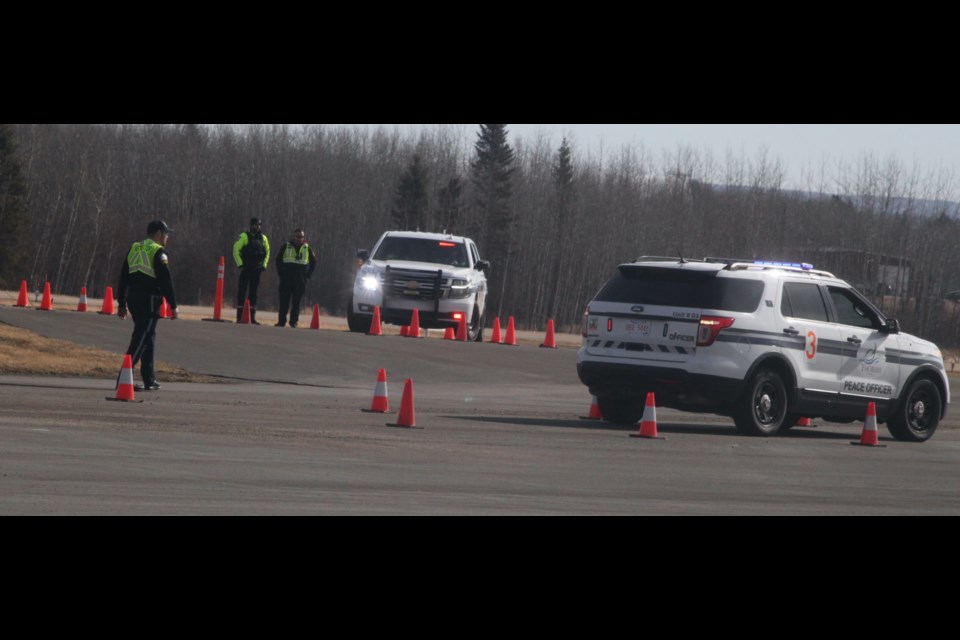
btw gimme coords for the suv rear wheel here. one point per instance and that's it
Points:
(917, 417)
(762, 410)
(620, 409)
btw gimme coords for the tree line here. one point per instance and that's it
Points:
(553, 221)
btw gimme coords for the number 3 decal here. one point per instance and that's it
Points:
(811, 345)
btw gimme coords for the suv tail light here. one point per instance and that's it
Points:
(710, 328)
(583, 325)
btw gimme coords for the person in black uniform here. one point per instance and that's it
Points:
(144, 282)
(251, 252)
(295, 264)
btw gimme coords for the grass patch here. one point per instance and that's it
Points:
(23, 352)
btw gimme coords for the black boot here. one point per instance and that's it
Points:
(239, 314)
(253, 316)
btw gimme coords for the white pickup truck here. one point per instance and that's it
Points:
(440, 275)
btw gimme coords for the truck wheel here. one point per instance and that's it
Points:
(917, 417)
(763, 408)
(475, 329)
(620, 409)
(357, 323)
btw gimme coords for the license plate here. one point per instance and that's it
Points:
(638, 327)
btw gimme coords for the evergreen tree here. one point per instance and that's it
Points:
(491, 173)
(410, 203)
(449, 206)
(13, 210)
(564, 196)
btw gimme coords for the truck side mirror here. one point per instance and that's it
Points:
(892, 326)
(363, 254)
(483, 265)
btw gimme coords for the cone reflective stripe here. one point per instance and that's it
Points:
(107, 308)
(550, 342)
(414, 331)
(165, 309)
(449, 334)
(218, 299)
(315, 323)
(23, 300)
(245, 316)
(381, 402)
(407, 417)
(47, 303)
(496, 338)
(648, 426)
(125, 382)
(511, 338)
(462, 329)
(82, 305)
(869, 436)
(375, 329)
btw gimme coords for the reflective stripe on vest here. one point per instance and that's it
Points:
(140, 258)
(292, 255)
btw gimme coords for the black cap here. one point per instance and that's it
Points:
(254, 221)
(157, 225)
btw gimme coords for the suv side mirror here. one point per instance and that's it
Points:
(363, 254)
(482, 265)
(892, 326)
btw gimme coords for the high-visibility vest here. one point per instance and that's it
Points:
(140, 258)
(292, 255)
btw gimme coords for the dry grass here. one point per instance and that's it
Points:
(23, 352)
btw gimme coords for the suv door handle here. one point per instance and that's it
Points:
(854, 340)
(790, 331)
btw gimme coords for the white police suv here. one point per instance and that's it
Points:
(764, 343)
(442, 276)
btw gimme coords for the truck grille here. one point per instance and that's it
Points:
(416, 285)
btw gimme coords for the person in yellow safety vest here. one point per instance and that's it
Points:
(251, 252)
(144, 281)
(295, 264)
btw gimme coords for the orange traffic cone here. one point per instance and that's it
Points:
(462, 329)
(594, 410)
(869, 437)
(245, 316)
(165, 309)
(449, 334)
(375, 329)
(407, 417)
(414, 331)
(82, 305)
(23, 300)
(550, 342)
(381, 402)
(511, 338)
(804, 422)
(125, 383)
(315, 322)
(405, 331)
(496, 338)
(47, 303)
(107, 308)
(648, 426)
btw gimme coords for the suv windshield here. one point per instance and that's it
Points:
(453, 254)
(679, 288)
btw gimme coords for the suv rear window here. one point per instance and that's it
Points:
(679, 288)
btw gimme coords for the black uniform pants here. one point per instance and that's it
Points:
(291, 288)
(145, 310)
(249, 279)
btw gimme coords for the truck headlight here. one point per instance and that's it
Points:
(370, 283)
(459, 288)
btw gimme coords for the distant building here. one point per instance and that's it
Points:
(875, 275)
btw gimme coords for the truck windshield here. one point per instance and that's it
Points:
(444, 252)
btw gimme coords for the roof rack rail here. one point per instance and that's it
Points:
(666, 259)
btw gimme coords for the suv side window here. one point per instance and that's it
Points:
(803, 301)
(851, 310)
(474, 253)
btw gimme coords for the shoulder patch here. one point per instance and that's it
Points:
(163, 257)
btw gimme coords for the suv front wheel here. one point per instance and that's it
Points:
(917, 417)
(762, 410)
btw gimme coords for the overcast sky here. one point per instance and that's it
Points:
(799, 146)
